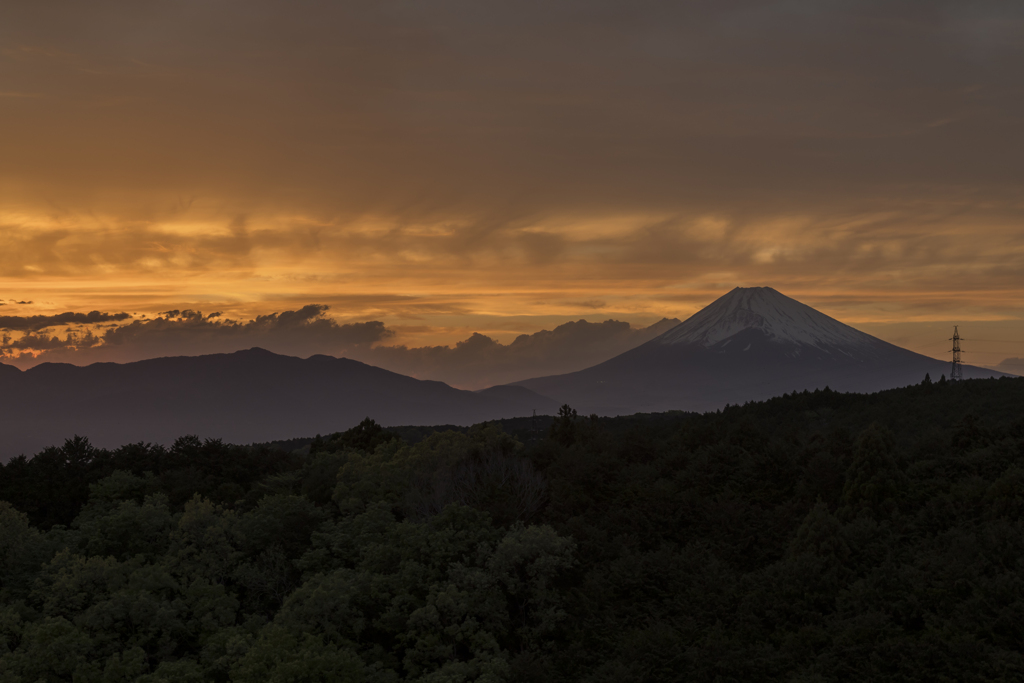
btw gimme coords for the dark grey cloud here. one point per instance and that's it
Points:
(41, 343)
(34, 323)
(302, 332)
(510, 110)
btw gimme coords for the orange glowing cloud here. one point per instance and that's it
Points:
(457, 168)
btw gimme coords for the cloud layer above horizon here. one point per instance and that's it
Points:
(454, 167)
(474, 363)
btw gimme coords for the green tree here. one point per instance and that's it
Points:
(279, 656)
(563, 429)
(821, 534)
(874, 480)
(22, 550)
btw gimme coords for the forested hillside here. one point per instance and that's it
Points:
(813, 537)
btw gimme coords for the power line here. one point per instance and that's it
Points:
(1011, 346)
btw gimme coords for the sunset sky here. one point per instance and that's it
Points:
(421, 171)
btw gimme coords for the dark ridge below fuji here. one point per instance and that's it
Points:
(243, 397)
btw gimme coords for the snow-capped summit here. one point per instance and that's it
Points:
(778, 317)
(751, 344)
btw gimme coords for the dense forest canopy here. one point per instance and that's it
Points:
(813, 537)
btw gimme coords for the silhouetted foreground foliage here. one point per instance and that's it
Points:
(814, 537)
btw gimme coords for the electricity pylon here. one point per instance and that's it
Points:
(957, 373)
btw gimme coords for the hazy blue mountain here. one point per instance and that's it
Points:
(1014, 366)
(751, 344)
(480, 361)
(240, 397)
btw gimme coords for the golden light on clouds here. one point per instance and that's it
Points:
(646, 267)
(455, 168)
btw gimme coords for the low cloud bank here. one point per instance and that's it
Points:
(474, 363)
(304, 332)
(34, 323)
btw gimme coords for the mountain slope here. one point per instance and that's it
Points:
(240, 397)
(778, 317)
(751, 344)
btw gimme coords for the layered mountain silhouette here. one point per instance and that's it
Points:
(751, 344)
(241, 397)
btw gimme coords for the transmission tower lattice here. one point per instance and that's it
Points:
(957, 372)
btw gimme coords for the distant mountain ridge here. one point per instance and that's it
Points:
(240, 397)
(750, 344)
(480, 361)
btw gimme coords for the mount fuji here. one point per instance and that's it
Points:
(751, 344)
